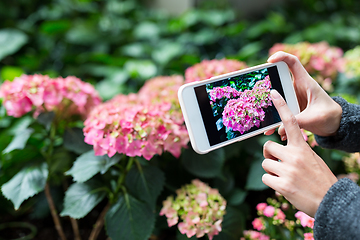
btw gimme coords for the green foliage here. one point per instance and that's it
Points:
(124, 217)
(145, 183)
(74, 141)
(207, 165)
(117, 46)
(26, 183)
(87, 165)
(81, 198)
(11, 40)
(19, 140)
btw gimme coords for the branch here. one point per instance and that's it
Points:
(99, 223)
(54, 213)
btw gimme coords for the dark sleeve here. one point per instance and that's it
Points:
(347, 137)
(338, 216)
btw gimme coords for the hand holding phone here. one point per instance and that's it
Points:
(234, 106)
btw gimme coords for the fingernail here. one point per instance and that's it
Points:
(275, 94)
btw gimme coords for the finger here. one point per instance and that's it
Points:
(294, 64)
(282, 133)
(269, 132)
(273, 150)
(272, 181)
(272, 167)
(291, 126)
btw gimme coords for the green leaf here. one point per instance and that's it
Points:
(141, 68)
(10, 72)
(107, 89)
(145, 183)
(45, 119)
(129, 219)
(254, 179)
(146, 30)
(26, 183)
(74, 141)
(206, 165)
(81, 198)
(167, 51)
(20, 125)
(55, 27)
(236, 197)
(87, 165)
(11, 40)
(19, 141)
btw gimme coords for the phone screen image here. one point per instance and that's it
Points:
(239, 104)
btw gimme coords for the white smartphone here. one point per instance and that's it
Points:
(235, 106)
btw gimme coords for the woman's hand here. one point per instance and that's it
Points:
(319, 113)
(300, 176)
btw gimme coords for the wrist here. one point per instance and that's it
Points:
(336, 114)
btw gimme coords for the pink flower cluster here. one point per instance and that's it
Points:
(142, 124)
(68, 96)
(254, 235)
(210, 68)
(351, 63)
(268, 211)
(318, 59)
(200, 208)
(305, 220)
(223, 92)
(352, 166)
(245, 112)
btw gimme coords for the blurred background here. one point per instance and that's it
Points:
(119, 44)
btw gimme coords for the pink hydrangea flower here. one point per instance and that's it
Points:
(224, 92)
(318, 59)
(308, 236)
(65, 96)
(143, 124)
(269, 211)
(258, 224)
(254, 235)
(305, 220)
(245, 112)
(200, 208)
(351, 62)
(279, 215)
(261, 206)
(210, 68)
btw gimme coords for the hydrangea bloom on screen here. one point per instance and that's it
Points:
(246, 111)
(142, 124)
(197, 208)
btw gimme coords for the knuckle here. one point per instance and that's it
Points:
(291, 119)
(281, 102)
(292, 60)
(286, 187)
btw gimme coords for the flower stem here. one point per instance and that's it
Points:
(123, 174)
(53, 212)
(74, 223)
(99, 223)
(75, 228)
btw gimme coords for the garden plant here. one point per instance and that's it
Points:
(92, 139)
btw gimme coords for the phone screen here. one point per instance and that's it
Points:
(238, 105)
